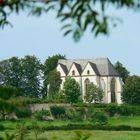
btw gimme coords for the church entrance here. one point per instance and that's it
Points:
(113, 90)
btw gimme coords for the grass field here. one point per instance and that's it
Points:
(95, 135)
(129, 120)
(67, 135)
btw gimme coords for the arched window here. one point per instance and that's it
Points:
(113, 90)
(88, 72)
(73, 72)
(86, 85)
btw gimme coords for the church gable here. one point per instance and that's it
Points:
(90, 69)
(75, 70)
(62, 69)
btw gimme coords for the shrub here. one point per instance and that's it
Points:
(112, 109)
(23, 113)
(81, 113)
(98, 117)
(58, 112)
(41, 115)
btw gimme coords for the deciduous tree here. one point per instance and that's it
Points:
(71, 90)
(131, 90)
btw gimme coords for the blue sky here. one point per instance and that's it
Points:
(42, 37)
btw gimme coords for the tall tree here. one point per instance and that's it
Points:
(131, 90)
(71, 90)
(49, 66)
(54, 82)
(11, 72)
(124, 73)
(77, 15)
(31, 76)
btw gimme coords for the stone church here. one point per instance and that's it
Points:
(99, 71)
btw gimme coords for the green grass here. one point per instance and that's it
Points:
(67, 135)
(95, 135)
(129, 120)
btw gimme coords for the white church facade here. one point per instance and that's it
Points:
(99, 71)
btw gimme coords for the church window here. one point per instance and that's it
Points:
(86, 85)
(88, 72)
(73, 72)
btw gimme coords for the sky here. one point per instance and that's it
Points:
(42, 37)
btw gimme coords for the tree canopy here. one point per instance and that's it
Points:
(131, 90)
(76, 15)
(124, 73)
(71, 90)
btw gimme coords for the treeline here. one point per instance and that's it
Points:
(29, 76)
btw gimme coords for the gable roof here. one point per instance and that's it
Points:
(78, 67)
(101, 65)
(94, 68)
(64, 68)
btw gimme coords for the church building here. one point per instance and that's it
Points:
(99, 71)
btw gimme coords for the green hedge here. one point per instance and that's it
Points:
(122, 110)
(89, 127)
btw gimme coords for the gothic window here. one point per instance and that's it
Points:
(88, 72)
(73, 72)
(86, 85)
(113, 94)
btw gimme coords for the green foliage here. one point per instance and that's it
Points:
(6, 108)
(79, 135)
(58, 112)
(49, 69)
(112, 109)
(98, 117)
(54, 82)
(21, 131)
(71, 90)
(77, 16)
(131, 90)
(41, 115)
(37, 130)
(94, 93)
(122, 110)
(7, 92)
(2, 128)
(24, 74)
(23, 113)
(31, 76)
(11, 72)
(124, 73)
(8, 137)
(51, 63)
(6, 105)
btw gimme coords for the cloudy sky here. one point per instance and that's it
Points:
(42, 37)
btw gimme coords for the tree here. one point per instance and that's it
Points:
(48, 69)
(124, 73)
(131, 90)
(11, 72)
(77, 16)
(31, 76)
(54, 82)
(71, 90)
(94, 93)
